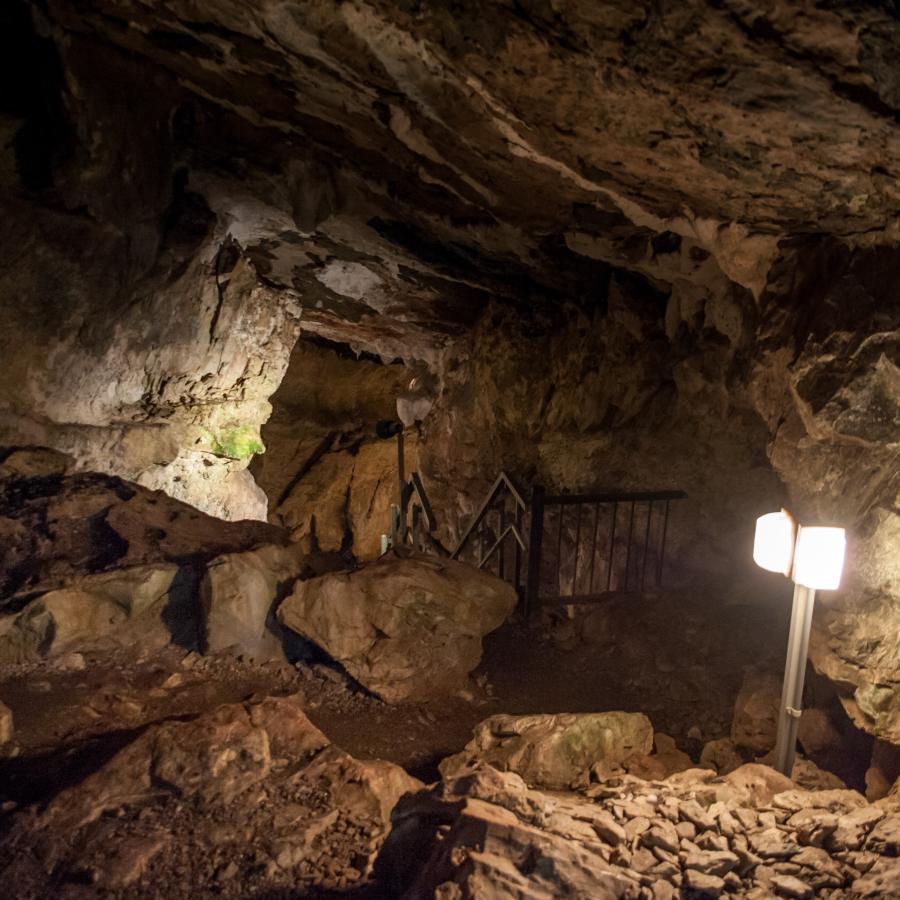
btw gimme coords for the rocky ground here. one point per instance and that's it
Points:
(146, 775)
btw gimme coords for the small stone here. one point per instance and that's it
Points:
(642, 860)
(772, 844)
(692, 811)
(885, 837)
(853, 827)
(709, 840)
(711, 862)
(662, 834)
(728, 824)
(813, 826)
(789, 886)
(701, 883)
(686, 830)
(608, 829)
(636, 826)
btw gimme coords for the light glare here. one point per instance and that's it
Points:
(819, 560)
(774, 542)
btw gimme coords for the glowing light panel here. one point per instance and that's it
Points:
(773, 545)
(819, 559)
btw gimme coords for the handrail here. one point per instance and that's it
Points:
(510, 529)
(612, 497)
(502, 480)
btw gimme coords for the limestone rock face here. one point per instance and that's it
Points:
(261, 766)
(238, 594)
(91, 560)
(554, 751)
(404, 626)
(646, 245)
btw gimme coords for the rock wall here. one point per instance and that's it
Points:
(792, 399)
(646, 247)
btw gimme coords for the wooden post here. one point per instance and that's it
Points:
(535, 541)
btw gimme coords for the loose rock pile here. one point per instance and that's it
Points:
(247, 798)
(750, 834)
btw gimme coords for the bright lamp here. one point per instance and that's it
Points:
(814, 558)
(773, 545)
(819, 558)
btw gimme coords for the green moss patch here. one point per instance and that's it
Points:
(237, 443)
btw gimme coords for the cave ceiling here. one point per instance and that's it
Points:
(400, 163)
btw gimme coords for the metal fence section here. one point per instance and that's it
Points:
(580, 548)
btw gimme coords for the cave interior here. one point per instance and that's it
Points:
(389, 392)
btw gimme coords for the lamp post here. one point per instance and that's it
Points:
(813, 558)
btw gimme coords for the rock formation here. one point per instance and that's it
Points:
(92, 558)
(405, 626)
(261, 772)
(596, 245)
(750, 834)
(554, 752)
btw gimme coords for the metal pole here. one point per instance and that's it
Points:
(794, 674)
(401, 471)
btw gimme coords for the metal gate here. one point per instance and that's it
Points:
(580, 548)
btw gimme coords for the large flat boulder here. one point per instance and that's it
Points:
(554, 751)
(405, 627)
(243, 796)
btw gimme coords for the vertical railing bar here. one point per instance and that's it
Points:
(503, 545)
(612, 544)
(517, 573)
(481, 537)
(535, 550)
(628, 546)
(577, 544)
(662, 547)
(646, 544)
(590, 589)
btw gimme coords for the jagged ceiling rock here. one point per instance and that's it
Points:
(726, 126)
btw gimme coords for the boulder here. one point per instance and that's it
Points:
(554, 751)
(57, 528)
(238, 593)
(405, 626)
(669, 756)
(721, 755)
(259, 769)
(90, 560)
(127, 607)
